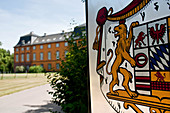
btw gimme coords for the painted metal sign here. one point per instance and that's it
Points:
(129, 56)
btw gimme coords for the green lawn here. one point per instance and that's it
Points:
(12, 83)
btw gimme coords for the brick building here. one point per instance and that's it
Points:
(45, 51)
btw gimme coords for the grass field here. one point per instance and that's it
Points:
(11, 83)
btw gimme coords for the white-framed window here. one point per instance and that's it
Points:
(22, 57)
(41, 46)
(22, 49)
(66, 44)
(34, 47)
(28, 48)
(16, 49)
(49, 45)
(57, 66)
(49, 66)
(16, 58)
(41, 56)
(65, 53)
(49, 55)
(57, 45)
(28, 57)
(57, 55)
(34, 56)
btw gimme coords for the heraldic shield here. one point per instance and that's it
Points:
(133, 57)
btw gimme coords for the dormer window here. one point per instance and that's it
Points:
(48, 40)
(60, 38)
(23, 41)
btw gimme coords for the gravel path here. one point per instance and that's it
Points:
(34, 100)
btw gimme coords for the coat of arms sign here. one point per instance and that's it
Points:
(132, 60)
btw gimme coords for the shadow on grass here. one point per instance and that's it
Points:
(44, 108)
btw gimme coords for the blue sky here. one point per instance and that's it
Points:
(20, 17)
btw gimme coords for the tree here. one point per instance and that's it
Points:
(6, 61)
(20, 69)
(11, 63)
(70, 87)
(36, 69)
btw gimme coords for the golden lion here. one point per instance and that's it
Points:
(122, 53)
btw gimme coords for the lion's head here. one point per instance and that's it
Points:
(120, 29)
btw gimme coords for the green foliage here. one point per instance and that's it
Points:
(20, 69)
(6, 61)
(70, 86)
(36, 69)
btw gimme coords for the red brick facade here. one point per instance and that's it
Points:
(46, 51)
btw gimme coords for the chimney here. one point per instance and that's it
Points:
(62, 31)
(31, 33)
(45, 34)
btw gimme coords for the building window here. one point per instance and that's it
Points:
(28, 57)
(49, 55)
(57, 54)
(49, 66)
(49, 45)
(22, 57)
(41, 46)
(34, 56)
(28, 48)
(22, 49)
(66, 43)
(16, 58)
(65, 53)
(16, 49)
(57, 66)
(34, 47)
(42, 65)
(57, 45)
(41, 56)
